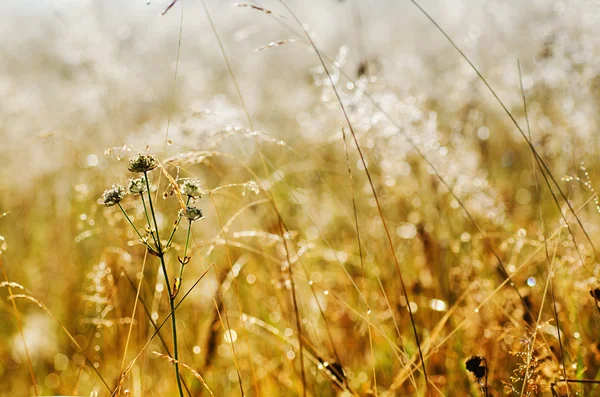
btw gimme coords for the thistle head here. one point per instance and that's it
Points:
(190, 188)
(142, 163)
(113, 196)
(192, 213)
(136, 186)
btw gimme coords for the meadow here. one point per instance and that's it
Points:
(316, 198)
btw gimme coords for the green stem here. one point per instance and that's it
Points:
(173, 324)
(176, 225)
(187, 242)
(152, 210)
(173, 232)
(130, 222)
(148, 219)
(171, 302)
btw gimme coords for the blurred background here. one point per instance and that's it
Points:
(85, 84)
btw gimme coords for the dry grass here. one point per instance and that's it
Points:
(383, 215)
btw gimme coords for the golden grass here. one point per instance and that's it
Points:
(366, 239)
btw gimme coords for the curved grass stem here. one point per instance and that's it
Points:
(372, 186)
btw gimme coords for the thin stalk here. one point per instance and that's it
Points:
(485, 385)
(137, 295)
(176, 225)
(251, 125)
(371, 184)
(130, 222)
(296, 307)
(173, 323)
(158, 245)
(41, 305)
(414, 147)
(148, 219)
(20, 326)
(360, 253)
(540, 162)
(550, 264)
(239, 301)
(187, 243)
(161, 256)
(158, 328)
(149, 316)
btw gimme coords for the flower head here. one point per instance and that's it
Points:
(190, 187)
(192, 213)
(136, 186)
(113, 196)
(142, 163)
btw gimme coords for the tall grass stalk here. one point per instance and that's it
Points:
(161, 256)
(375, 196)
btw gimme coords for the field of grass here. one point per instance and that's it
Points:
(285, 198)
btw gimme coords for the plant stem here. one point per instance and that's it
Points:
(187, 242)
(171, 302)
(173, 232)
(158, 245)
(173, 324)
(148, 220)
(485, 386)
(130, 222)
(176, 225)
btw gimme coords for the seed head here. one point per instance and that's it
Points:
(190, 187)
(192, 213)
(142, 163)
(113, 196)
(476, 365)
(136, 186)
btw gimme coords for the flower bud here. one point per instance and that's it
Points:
(192, 213)
(113, 196)
(190, 187)
(137, 186)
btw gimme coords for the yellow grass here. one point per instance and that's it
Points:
(378, 206)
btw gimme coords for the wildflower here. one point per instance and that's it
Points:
(113, 195)
(192, 213)
(142, 163)
(136, 186)
(477, 366)
(190, 187)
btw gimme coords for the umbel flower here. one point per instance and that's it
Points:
(136, 186)
(192, 213)
(190, 187)
(113, 196)
(142, 163)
